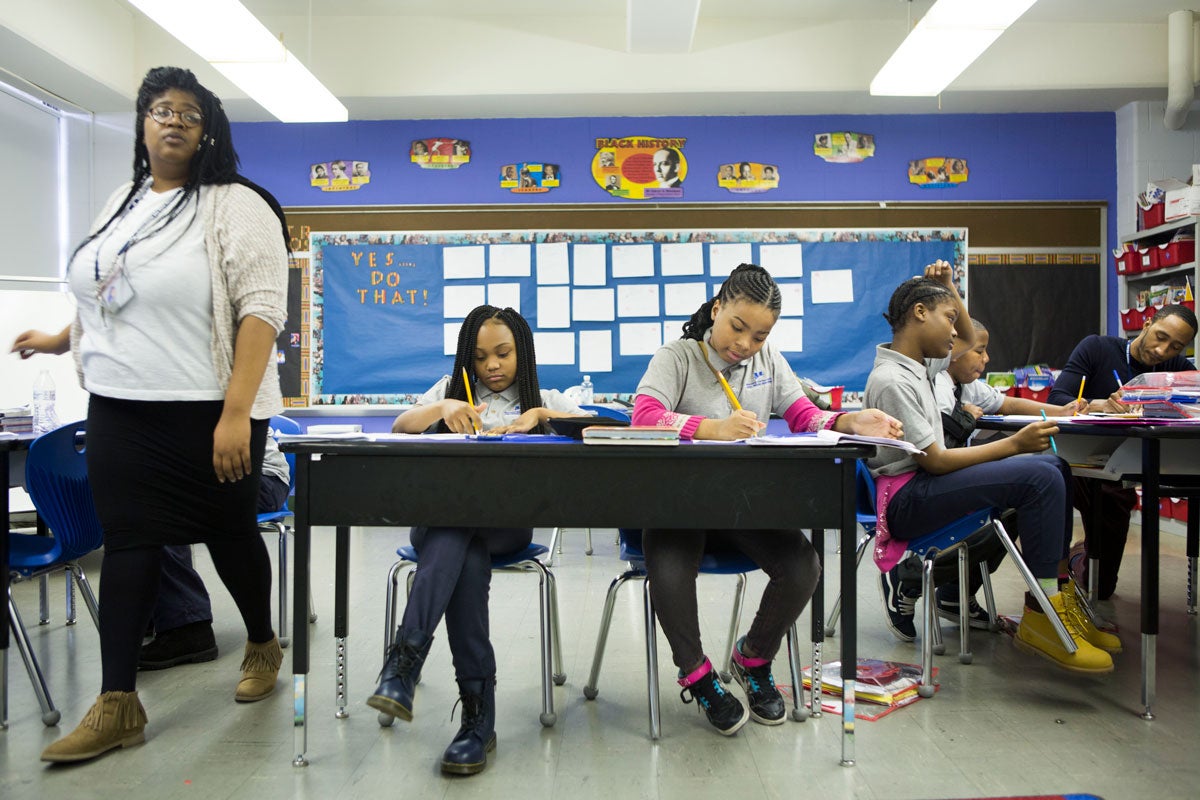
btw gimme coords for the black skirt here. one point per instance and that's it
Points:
(152, 477)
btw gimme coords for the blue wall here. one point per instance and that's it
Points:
(1011, 157)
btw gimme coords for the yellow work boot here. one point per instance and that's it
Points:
(116, 719)
(260, 670)
(1036, 635)
(1109, 642)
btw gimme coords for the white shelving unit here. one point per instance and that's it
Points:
(1128, 287)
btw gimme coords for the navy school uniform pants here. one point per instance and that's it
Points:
(453, 580)
(1037, 486)
(673, 562)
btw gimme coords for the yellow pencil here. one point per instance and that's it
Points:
(733, 401)
(467, 386)
(1082, 383)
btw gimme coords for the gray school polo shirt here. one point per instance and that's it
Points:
(902, 387)
(679, 379)
(503, 407)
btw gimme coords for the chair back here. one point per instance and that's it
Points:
(57, 481)
(287, 425)
(864, 492)
(605, 411)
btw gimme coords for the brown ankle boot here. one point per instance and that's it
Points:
(116, 719)
(260, 669)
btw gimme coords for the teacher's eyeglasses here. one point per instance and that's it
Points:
(163, 115)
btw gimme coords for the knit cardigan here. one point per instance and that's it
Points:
(248, 264)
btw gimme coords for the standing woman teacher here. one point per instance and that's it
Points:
(181, 290)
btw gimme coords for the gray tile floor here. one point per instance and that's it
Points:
(1007, 724)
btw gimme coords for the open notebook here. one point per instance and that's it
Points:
(826, 438)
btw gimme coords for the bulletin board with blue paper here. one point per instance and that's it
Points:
(387, 306)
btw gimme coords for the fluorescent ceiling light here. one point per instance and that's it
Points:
(951, 35)
(232, 39)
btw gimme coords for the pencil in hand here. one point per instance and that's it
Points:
(1053, 446)
(470, 400)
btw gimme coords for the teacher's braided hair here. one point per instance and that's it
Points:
(528, 390)
(747, 282)
(215, 162)
(908, 294)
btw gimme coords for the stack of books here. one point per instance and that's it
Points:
(16, 420)
(890, 684)
(632, 434)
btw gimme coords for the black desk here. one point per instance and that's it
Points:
(7, 446)
(345, 483)
(1181, 469)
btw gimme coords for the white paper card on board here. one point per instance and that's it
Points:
(793, 299)
(684, 258)
(633, 261)
(590, 264)
(505, 295)
(554, 348)
(592, 305)
(554, 307)
(832, 286)
(509, 261)
(781, 260)
(450, 338)
(682, 299)
(553, 263)
(640, 338)
(638, 300)
(722, 258)
(457, 301)
(788, 335)
(672, 329)
(595, 351)
(462, 262)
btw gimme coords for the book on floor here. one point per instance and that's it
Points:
(886, 683)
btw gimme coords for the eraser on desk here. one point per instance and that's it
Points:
(324, 430)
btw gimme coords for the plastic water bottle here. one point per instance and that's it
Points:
(585, 391)
(44, 417)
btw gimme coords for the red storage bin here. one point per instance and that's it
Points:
(1137, 503)
(1179, 508)
(1172, 254)
(1129, 262)
(1146, 260)
(1151, 217)
(1131, 319)
(1148, 313)
(1038, 395)
(1191, 304)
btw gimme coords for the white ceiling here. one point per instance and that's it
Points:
(528, 58)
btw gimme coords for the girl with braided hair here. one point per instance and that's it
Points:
(918, 494)
(181, 290)
(681, 389)
(495, 349)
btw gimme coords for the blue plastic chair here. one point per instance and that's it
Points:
(720, 563)
(57, 482)
(277, 521)
(528, 559)
(931, 548)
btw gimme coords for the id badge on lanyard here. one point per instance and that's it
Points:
(115, 291)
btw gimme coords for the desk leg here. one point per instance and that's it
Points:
(817, 605)
(341, 623)
(300, 570)
(1095, 515)
(4, 620)
(1193, 550)
(1151, 450)
(849, 582)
